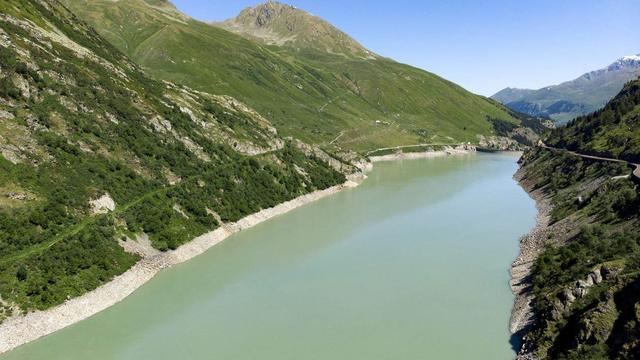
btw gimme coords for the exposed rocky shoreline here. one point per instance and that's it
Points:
(458, 150)
(19, 329)
(531, 245)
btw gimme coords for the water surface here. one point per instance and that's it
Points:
(413, 264)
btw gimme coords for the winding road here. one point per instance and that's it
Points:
(635, 173)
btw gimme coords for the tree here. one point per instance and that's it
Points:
(21, 274)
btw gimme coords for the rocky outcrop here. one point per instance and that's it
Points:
(102, 205)
(341, 165)
(581, 288)
(597, 324)
(499, 143)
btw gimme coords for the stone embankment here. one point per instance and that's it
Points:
(449, 150)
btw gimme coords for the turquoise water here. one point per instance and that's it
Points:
(413, 264)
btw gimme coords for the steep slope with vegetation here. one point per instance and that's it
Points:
(586, 280)
(309, 79)
(93, 152)
(566, 101)
(613, 131)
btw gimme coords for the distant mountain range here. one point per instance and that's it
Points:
(570, 99)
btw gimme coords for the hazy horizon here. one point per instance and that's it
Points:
(482, 47)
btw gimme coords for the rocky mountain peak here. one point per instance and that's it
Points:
(276, 23)
(576, 97)
(629, 61)
(266, 13)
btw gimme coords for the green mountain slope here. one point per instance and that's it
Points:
(93, 151)
(612, 131)
(317, 88)
(586, 280)
(574, 98)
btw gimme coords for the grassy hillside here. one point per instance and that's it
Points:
(94, 152)
(586, 282)
(327, 98)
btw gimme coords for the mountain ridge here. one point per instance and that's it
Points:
(567, 100)
(276, 23)
(306, 92)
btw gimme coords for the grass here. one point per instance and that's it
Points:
(310, 95)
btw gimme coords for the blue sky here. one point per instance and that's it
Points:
(480, 44)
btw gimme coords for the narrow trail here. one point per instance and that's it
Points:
(75, 229)
(635, 173)
(337, 137)
(90, 219)
(321, 108)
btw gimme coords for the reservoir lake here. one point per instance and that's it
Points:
(412, 264)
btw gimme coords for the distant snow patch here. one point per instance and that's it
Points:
(630, 58)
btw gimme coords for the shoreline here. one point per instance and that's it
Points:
(22, 329)
(531, 245)
(19, 330)
(458, 150)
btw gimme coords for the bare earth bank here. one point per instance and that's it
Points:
(531, 245)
